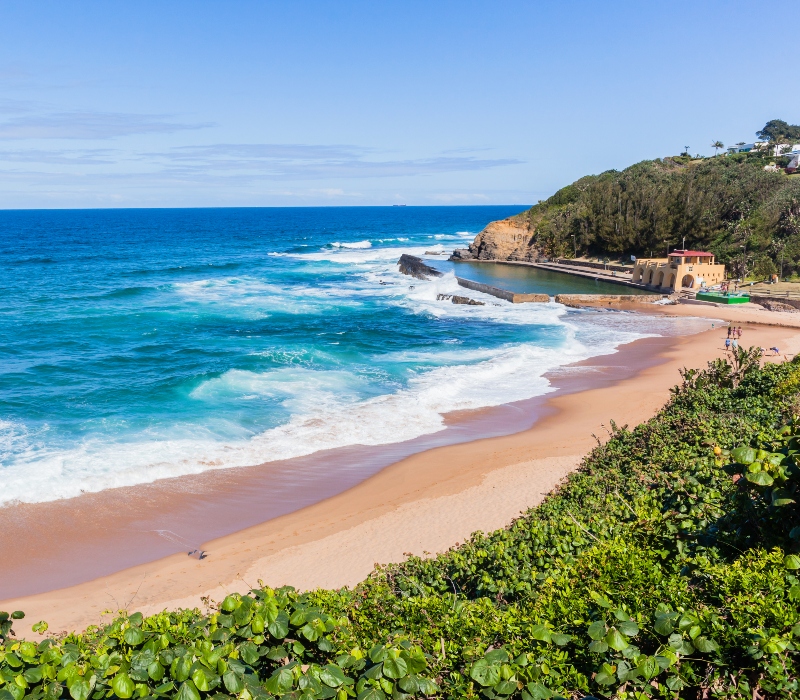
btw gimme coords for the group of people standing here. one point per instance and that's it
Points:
(734, 334)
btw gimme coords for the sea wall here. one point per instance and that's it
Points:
(502, 293)
(577, 300)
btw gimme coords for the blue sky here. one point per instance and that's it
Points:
(239, 103)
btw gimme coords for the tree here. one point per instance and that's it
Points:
(778, 131)
(716, 146)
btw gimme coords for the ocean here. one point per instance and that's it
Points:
(137, 345)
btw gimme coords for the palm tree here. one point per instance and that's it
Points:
(716, 146)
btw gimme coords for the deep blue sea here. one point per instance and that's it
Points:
(142, 344)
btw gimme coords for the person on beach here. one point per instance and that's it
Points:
(728, 343)
(735, 344)
(729, 331)
(739, 333)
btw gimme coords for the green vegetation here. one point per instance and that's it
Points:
(778, 131)
(729, 205)
(665, 567)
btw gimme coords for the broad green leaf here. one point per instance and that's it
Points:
(229, 604)
(258, 624)
(541, 632)
(791, 561)
(665, 624)
(395, 668)
(280, 682)
(781, 497)
(705, 645)
(505, 687)
(496, 656)
(628, 628)
(33, 675)
(234, 682)
(249, 653)
(597, 630)
(598, 646)
(744, 455)
(123, 685)
(415, 661)
(536, 691)
(377, 654)
(371, 693)
(187, 691)
(648, 667)
(180, 668)
(605, 676)
(486, 674)
(133, 636)
(80, 689)
(409, 684)
(156, 671)
(561, 639)
(760, 478)
(279, 628)
(203, 678)
(601, 600)
(332, 676)
(616, 640)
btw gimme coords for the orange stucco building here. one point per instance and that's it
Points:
(687, 269)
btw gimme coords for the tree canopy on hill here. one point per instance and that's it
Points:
(778, 131)
(716, 204)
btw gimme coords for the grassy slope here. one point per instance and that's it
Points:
(656, 570)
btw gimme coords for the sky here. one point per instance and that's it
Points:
(296, 103)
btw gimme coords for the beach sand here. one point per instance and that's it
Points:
(425, 503)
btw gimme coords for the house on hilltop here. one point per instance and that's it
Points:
(681, 269)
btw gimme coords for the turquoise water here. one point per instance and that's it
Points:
(142, 344)
(522, 279)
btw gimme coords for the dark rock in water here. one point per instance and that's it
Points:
(412, 265)
(462, 254)
(466, 300)
(459, 300)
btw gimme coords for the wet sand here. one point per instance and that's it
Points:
(427, 500)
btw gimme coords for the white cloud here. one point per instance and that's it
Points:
(89, 125)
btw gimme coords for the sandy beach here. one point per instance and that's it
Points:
(424, 503)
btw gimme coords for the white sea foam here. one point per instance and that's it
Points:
(326, 412)
(355, 246)
(323, 408)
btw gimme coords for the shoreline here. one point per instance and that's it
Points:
(427, 502)
(115, 529)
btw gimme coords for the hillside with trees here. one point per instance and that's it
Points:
(728, 204)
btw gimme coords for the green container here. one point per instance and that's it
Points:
(718, 298)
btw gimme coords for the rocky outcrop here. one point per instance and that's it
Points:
(775, 305)
(459, 300)
(508, 239)
(412, 265)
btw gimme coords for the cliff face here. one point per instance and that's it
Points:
(508, 239)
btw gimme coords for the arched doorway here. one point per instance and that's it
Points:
(646, 276)
(687, 281)
(659, 279)
(670, 283)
